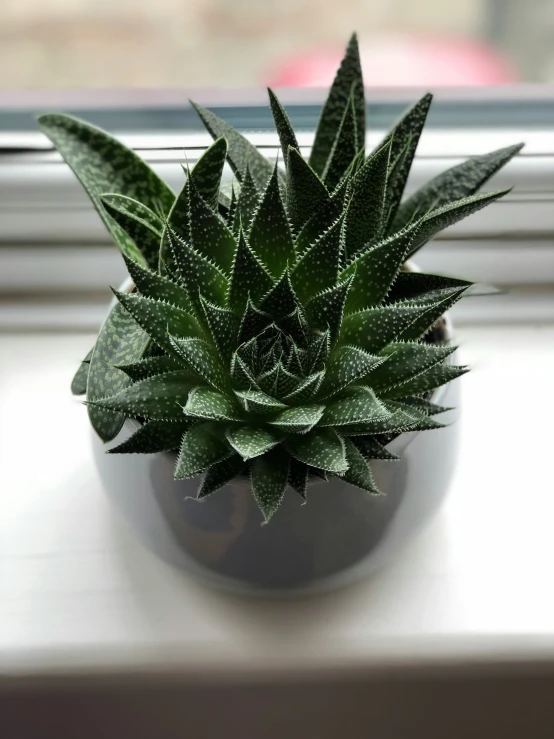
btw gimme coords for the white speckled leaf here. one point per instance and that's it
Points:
(356, 405)
(139, 222)
(160, 397)
(220, 474)
(121, 340)
(209, 235)
(300, 419)
(250, 441)
(348, 82)
(241, 152)
(269, 475)
(199, 450)
(322, 448)
(203, 358)
(153, 437)
(375, 270)
(348, 364)
(359, 471)
(404, 362)
(306, 193)
(159, 319)
(249, 279)
(270, 237)
(318, 269)
(206, 403)
(151, 366)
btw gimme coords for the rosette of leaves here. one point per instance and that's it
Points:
(272, 332)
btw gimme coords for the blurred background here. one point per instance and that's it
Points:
(246, 43)
(130, 66)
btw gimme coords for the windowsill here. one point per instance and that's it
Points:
(78, 593)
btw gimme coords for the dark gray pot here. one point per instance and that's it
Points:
(341, 532)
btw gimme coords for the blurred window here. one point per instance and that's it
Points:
(246, 43)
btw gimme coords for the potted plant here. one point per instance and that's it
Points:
(272, 348)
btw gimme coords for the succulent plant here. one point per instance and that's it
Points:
(272, 332)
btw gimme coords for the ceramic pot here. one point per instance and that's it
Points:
(340, 534)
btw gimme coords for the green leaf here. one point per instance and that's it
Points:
(374, 272)
(425, 381)
(209, 235)
(223, 325)
(270, 237)
(359, 471)
(456, 183)
(296, 360)
(374, 328)
(150, 366)
(437, 304)
(178, 223)
(79, 382)
(247, 203)
(306, 193)
(220, 474)
(318, 351)
(152, 285)
(252, 323)
(372, 449)
(281, 300)
(365, 219)
(249, 279)
(139, 222)
(401, 418)
(102, 164)
(296, 326)
(205, 403)
(256, 401)
(278, 381)
(424, 406)
(203, 359)
(318, 268)
(325, 311)
(241, 375)
(347, 364)
(250, 441)
(322, 220)
(322, 448)
(200, 449)
(348, 81)
(232, 209)
(208, 171)
(241, 153)
(298, 477)
(403, 140)
(153, 437)
(120, 340)
(410, 285)
(285, 131)
(418, 421)
(269, 475)
(345, 148)
(159, 319)
(298, 420)
(161, 397)
(198, 274)
(405, 361)
(306, 389)
(358, 405)
(439, 219)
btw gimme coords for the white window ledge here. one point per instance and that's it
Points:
(471, 601)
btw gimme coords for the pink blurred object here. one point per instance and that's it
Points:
(403, 61)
